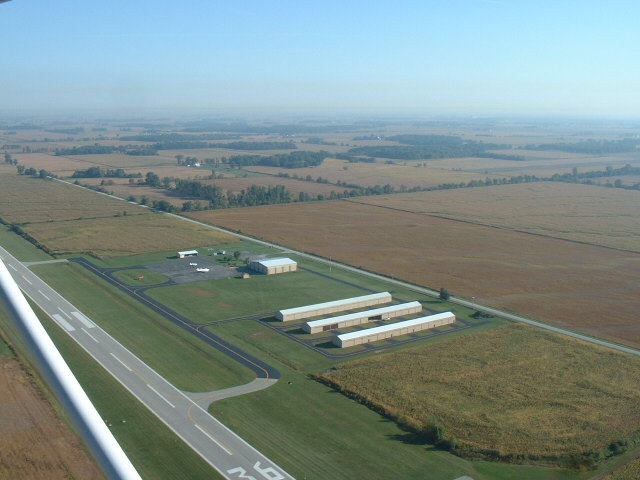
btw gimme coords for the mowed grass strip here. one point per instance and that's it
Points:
(509, 391)
(183, 359)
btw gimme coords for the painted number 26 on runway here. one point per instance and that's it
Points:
(269, 473)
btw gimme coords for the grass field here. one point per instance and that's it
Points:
(503, 393)
(186, 361)
(601, 216)
(19, 248)
(568, 284)
(628, 472)
(347, 440)
(140, 276)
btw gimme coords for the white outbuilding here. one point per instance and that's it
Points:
(393, 330)
(359, 318)
(188, 253)
(270, 266)
(327, 308)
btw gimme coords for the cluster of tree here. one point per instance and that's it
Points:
(97, 149)
(353, 158)
(256, 145)
(367, 137)
(177, 137)
(317, 141)
(591, 146)
(9, 160)
(218, 198)
(427, 139)
(500, 156)
(67, 131)
(98, 172)
(298, 159)
(418, 152)
(282, 129)
(42, 173)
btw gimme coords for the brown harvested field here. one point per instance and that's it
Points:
(34, 443)
(369, 174)
(589, 288)
(69, 219)
(539, 163)
(61, 166)
(500, 390)
(120, 160)
(608, 217)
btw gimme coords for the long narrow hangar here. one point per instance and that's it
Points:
(326, 308)
(271, 266)
(358, 318)
(393, 330)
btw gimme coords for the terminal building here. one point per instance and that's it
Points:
(271, 266)
(327, 308)
(358, 318)
(393, 330)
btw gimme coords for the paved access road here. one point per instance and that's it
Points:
(218, 445)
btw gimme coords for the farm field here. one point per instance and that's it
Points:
(68, 219)
(608, 217)
(370, 174)
(567, 284)
(505, 394)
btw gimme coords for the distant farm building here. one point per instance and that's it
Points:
(188, 253)
(358, 318)
(327, 308)
(393, 330)
(271, 266)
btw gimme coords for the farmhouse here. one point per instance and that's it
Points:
(393, 330)
(188, 253)
(271, 266)
(358, 318)
(326, 308)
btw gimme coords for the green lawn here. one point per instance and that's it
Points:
(19, 247)
(140, 277)
(186, 361)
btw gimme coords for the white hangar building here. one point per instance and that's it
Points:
(327, 308)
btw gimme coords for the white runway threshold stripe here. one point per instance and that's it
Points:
(120, 361)
(62, 322)
(84, 320)
(213, 439)
(160, 395)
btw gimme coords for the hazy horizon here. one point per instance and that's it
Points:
(464, 58)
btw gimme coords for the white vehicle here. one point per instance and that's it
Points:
(193, 264)
(202, 269)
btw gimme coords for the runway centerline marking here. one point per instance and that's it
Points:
(212, 439)
(14, 268)
(92, 337)
(160, 395)
(40, 292)
(66, 325)
(64, 313)
(27, 280)
(121, 362)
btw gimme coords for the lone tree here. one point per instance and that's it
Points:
(444, 294)
(236, 254)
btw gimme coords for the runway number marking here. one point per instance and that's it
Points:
(269, 473)
(27, 280)
(66, 325)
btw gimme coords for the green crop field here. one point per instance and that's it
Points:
(515, 392)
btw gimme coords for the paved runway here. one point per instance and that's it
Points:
(218, 445)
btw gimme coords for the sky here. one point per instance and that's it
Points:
(423, 57)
